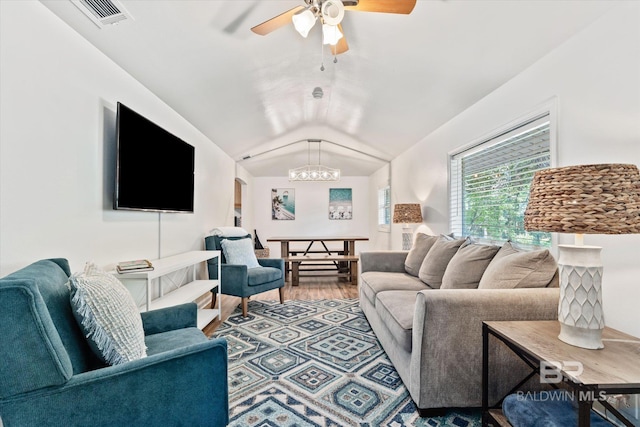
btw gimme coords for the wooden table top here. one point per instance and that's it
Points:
(297, 258)
(317, 238)
(617, 364)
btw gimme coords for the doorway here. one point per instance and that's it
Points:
(237, 204)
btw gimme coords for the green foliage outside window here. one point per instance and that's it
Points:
(490, 182)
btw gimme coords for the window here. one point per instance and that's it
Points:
(384, 209)
(489, 184)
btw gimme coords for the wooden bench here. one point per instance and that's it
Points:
(296, 261)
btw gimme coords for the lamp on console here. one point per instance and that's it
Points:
(407, 213)
(592, 199)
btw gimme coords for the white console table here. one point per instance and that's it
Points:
(187, 292)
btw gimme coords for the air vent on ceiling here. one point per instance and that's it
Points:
(103, 12)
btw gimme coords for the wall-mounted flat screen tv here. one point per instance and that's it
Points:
(154, 168)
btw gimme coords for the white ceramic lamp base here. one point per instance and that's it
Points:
(580, 308)
(407, 238)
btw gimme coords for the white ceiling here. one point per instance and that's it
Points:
(404, 75)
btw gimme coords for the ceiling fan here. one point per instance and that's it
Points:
(330, 14)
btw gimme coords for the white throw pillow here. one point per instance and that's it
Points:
(228, 232)
(239, 252)
(107, 315)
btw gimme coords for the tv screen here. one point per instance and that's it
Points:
(154, 169)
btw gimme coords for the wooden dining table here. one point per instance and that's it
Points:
(348, 246)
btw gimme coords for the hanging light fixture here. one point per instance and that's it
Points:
(316, 172)
(303, 21)
(330, 12)
(330, 34)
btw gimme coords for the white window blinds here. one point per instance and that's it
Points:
(489, 185)
(384, 208)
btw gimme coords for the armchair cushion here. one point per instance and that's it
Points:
(260, 275)
(108, 315)
(239, 252)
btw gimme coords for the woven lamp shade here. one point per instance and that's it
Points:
(585, 199)
(407, 213)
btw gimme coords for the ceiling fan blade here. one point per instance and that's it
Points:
(276, 22)
(385, 6)
(342, 46)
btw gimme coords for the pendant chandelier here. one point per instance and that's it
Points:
(314, 172)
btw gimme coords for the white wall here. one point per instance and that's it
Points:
(247, 197)
(312, 211)
(57, 152)
(378, 180)
(595, 79)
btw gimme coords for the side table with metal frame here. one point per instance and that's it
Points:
(589, 374)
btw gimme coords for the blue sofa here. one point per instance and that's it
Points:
(50, 377)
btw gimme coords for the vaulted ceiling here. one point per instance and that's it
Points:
(402, 77)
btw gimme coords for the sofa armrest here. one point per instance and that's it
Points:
(387, 261)
(447, 339)
(185, 386)
(272, 262)
(170, 318)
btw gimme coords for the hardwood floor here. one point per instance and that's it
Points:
(310, 288)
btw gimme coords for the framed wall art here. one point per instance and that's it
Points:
(283, 204)
(340, 203)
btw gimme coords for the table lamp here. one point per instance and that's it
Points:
(407, 213)
(592, 199)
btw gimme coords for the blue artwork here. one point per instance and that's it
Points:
(283, 204)
(340, 203)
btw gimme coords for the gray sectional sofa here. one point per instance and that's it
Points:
(426, 307)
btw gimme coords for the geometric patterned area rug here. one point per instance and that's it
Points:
(316, 363)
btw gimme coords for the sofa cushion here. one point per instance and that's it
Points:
(108, 315)
(437, 259)
(511, 269)
(239, 252)
(395, 309)
(421, 245)
(373, 282)
(467, 266)
(262, 275)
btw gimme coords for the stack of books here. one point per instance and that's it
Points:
(134, 266)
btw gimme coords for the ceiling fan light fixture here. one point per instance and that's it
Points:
(332, 12)
(303, 21)
(330, 34)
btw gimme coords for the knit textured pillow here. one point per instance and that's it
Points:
(239, 252)
(107, 315)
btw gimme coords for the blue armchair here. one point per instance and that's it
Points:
(49, 376)
(240, 281)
